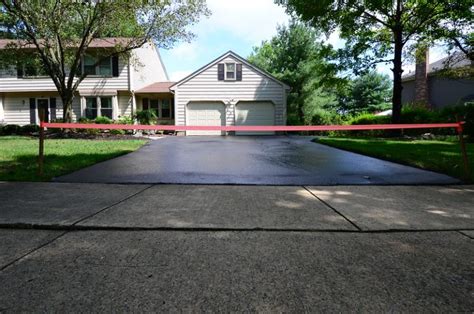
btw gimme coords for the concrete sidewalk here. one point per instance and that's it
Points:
(340, 208)
(104, 247)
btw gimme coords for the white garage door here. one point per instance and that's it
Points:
(255, 113)
(200, 113)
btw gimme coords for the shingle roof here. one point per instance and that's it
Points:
(158, 87)
(457, 60)
(108, 42)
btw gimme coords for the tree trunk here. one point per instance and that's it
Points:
(397, 78)
(67, 107)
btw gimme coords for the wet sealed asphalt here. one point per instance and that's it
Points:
(264, 160)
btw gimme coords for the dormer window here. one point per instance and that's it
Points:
(230, 71)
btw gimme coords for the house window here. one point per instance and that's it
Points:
(89, 65)
(165, 109)
(91, 108)
(102, 68)
(154, 106)
(230, 71)
(32, 70)
(106, 107)
(105, 67)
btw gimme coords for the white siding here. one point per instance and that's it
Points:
(124, 105)
(253, 87)
(17, 108)
(10, 83)
(147, 67)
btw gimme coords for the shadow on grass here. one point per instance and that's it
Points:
(25, 167)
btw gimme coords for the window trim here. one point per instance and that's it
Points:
(225, 71)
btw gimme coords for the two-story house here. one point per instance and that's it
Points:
(227, 91)
(108, 90)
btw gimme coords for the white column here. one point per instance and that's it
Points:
(82, 102)
(99, 106)
(2, 111)
(115, 107)
(133, 104)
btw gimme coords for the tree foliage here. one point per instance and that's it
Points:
(367, 93)
(59, 32)
(381, 30)
(296, 57)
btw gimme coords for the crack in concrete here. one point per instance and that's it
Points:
(66, 229)
(334, 209)
(32, 251)
(465, 234)
(110, 206)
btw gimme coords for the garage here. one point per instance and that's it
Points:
(230, 91)
(205, 113)
(254, 113)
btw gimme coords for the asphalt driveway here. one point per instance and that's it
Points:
(265, 160)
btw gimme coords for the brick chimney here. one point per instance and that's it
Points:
(421, 76)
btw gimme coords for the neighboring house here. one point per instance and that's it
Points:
(110, 89)
(227, 91)
(425, 85)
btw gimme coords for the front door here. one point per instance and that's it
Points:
(43, 104)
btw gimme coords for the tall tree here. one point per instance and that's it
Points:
(57, 33)
(379, 30)
(367, 93)
(295, 56)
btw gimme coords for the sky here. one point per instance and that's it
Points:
(237, 26)
(233, 25)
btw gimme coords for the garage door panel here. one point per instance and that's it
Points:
(255, 113)
(200, 113)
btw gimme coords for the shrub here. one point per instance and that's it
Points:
(125, 120)
(146, 117)
(29, 128)
(117, 132)
(462, 112)
(368, 118)
(103, 120)
(84, 120)
(10, 129)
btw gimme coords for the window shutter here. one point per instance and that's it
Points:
(220, 72)
(52, 107)
(32, 111)
(145, 104)
(238, 75)
(19, 69)
(115, 66)
(79, 69)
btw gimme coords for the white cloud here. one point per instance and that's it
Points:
(188, 51)
(252, 20)
(179, 75)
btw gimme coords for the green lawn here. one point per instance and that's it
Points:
(440, 156)
(18, 156)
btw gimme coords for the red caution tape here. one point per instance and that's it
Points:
(260, 128)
